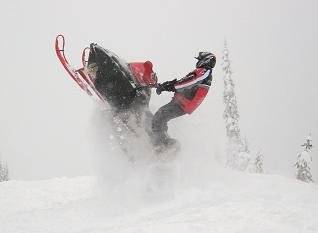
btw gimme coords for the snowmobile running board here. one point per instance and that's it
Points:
(80, 76)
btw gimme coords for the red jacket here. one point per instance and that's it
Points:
(192, 89)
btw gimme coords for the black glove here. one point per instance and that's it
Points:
(166, 86)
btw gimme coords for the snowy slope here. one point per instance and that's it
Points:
(239, 203)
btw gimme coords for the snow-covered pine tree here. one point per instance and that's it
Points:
(257, 164)
(304, 161)
(4, 171)
(237, 150)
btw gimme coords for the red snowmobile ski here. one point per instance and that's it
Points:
(80, 76)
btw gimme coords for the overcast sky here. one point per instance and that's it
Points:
(45, 119)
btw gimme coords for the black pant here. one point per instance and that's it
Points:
(160, 120)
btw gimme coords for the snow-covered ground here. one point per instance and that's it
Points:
(238, 202)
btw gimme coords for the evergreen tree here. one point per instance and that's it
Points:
(257, 164)
(4, 171)
(304, 161)
(237, 150)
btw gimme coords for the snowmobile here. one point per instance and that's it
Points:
(122, 88)
(107, 78)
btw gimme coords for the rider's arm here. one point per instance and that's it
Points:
(192, 78)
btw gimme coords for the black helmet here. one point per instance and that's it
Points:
(205, 60)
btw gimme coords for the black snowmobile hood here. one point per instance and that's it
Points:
(97, 54)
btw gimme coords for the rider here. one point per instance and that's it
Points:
(189, 93)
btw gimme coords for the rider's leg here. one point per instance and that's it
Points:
(160, 119)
